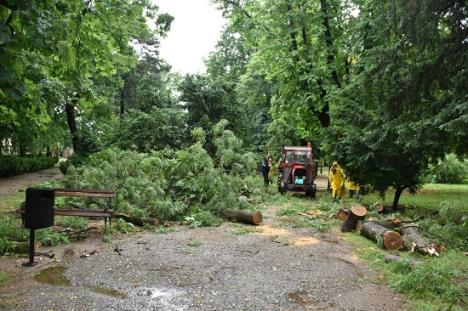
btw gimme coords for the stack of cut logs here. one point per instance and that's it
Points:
(391, 234)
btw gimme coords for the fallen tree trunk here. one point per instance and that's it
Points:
(252, 218)
(140, 222)
(357, 212)
(342, 214)
(389, 224)
(386, 238)
(414, 241)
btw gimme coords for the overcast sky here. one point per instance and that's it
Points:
(194, 32)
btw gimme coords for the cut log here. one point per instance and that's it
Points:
(342, 214)
(140, 222)
(385, 209)
(251, 218)
(357, 212)
(414, 241)
(386, 238)
(387, 224)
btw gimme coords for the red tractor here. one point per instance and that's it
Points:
(297, 171)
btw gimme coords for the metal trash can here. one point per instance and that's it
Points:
(39, 208)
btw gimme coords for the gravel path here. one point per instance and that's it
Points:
(271, 268)
(11, 185)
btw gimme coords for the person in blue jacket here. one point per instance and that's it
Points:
(265, 171)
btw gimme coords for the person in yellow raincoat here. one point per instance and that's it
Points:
(353, 187)
(337, 180)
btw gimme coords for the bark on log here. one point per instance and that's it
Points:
(386, 238)
(357, 212)
(251, 218)
(414, 241)
(342, 214)
(140, 222)
(385, 209)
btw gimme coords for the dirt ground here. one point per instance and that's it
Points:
(231, 267)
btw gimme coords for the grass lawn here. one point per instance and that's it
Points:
(428, 197)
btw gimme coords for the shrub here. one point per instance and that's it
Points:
(448, 171)
(15, 165)
(75, 160)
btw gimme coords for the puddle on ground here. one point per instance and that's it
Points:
(108, 291)
(53, 276)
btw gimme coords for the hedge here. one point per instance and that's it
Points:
(15, 165)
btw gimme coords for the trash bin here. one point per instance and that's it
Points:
(39, 208)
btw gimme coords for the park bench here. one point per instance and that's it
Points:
(107, 213)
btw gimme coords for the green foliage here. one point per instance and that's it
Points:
(122, 226)
(203, 219)
(158, 129)
(15, 165)
(72, 222)
(75, 160)
(450, 170)
(440, 278)
(49, 237)
(167, 184)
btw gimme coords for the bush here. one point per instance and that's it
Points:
(75, 160)
(15, 165)
(448, 171)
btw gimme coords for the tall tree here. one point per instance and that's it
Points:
(405, 105)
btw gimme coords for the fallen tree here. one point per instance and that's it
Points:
(357, 212)
(252, 218)
(414, 241)
(385, 237)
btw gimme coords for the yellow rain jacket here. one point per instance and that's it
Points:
(337, 181)
(352, 185)
(270, 164)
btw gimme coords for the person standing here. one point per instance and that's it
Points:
(270, 169)
(353, 188)
(265, 171)
(337, 180)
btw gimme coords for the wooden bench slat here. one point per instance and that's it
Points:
(78, 212)
(83, 212)
(83, 194)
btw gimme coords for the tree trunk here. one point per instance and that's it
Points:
(252, 218)
(384, 237)
(414, 241)
(329, 42)
(356, 213)
(71, 121)
(396, 198)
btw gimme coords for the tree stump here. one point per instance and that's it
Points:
(342, 214)
(247, 217)
(356, 213)
(386, 238)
